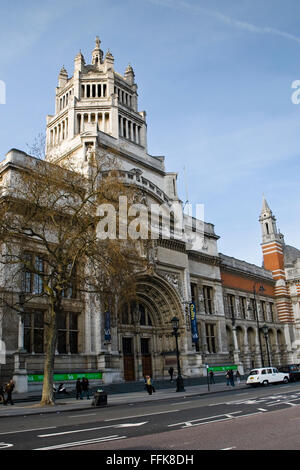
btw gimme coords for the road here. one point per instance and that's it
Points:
(260, 418)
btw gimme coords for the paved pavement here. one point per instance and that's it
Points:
(22, 408)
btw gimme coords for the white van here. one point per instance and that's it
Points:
(265, 376)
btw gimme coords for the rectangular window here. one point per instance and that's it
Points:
(208, 299)
(211, 337)
(33, 270)
(231, 305)
(34, 332)
(252, 310)
(71, 291)
(243, 306)
(67, 333)
(263, 310)
(145, 346)
(271, 305)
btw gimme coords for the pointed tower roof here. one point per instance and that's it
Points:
(265, 205)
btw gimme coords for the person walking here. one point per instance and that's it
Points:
(231, 377)
(148, 384)
(9, 387)
(2, 398)
(238, 377)
(171, 372)
(78, 389)
(85, 387)
(211, 377)
(227, 378)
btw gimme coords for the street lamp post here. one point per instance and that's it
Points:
(179, 380)
(265, 331)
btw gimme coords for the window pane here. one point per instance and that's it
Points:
(73, 338)
(73, 321)
(61, 322)
(144, 346)
(38, 320)
(27, 340)
(61, 342)
(38, 340)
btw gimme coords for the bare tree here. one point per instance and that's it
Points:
(49, 218)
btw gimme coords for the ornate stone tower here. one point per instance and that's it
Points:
(96, 102)
(273, 254)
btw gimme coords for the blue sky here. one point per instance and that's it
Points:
(214, 78)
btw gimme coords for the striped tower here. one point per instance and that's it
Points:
(272, 247)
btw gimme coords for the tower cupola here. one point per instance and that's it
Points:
(97, 54)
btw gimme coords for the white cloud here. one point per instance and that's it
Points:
(242, 25)
(19, 33)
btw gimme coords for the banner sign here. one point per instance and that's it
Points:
(222, 368)
(107, 335)
(65, 377)
(194, 328)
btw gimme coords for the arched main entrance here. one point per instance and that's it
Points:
(145, 328)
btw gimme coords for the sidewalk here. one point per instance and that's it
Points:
(71, 404)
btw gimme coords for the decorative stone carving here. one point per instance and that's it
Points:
(174, 280)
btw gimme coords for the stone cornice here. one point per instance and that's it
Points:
(204, 258)
(175, 245)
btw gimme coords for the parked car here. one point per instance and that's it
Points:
(293, 370)
(266, 375)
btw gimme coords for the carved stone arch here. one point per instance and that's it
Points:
(166, 300)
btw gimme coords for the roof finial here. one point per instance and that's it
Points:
(97, 42)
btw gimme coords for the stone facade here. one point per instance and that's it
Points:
(96, 112)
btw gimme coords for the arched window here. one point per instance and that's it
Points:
(267, 228)
(135, 312)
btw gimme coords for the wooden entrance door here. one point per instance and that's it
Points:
(146, 357)
(128, 359)
(147, 365)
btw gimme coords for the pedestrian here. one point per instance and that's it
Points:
(2, 399)
(238, 377)
(231, 377)
(153, 389)
(227, 378)
(171, 372)
(148, 384)
(78, 389)
(85, 387)
(9, 387)
(211, 377)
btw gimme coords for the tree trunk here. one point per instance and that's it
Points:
(51, 339)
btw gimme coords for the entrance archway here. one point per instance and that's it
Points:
(145, 328)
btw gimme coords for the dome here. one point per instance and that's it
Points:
(291, 254)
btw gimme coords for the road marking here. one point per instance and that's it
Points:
(129, 425)
(27, 430)
(62, 433)
(140, 416)
(79, 415)
(228, 448)
(3, 445)
(202, 419)
(82, 443)
(261, 409)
